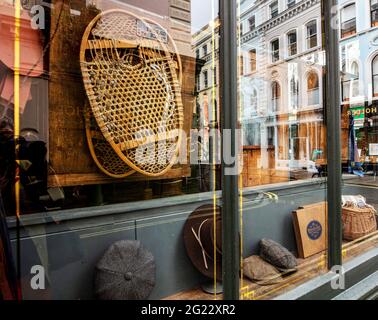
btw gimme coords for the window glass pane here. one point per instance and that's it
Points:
(284, 149)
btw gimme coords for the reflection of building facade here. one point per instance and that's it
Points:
(281, 66)
(359, 65)
(281, 90)
(206, 48)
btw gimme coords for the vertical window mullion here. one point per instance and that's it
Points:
(333, 114)
(230, 186)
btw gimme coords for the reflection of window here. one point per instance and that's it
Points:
(254, 101)
(348, 20)
(313, 89)
(292, 43)
(252, 134)
(355, 84)
(294, 142)
(275, 48)
(374, 13)
(375, 76)
(276, 96)
(198, 83)
(290, 3)
(205, 79)
(271, 136)
(252, 59)
(294, 90)
(204, 49)
(312, 35)
(252, 23)
(197, 53)
(241, 64)
(274, 9)
(344, 84)
(350, 81)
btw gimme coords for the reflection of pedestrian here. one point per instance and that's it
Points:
(354, 165)
(32, 166)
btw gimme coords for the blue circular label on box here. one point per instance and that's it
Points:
(314, 230)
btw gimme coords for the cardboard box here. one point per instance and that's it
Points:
(311, 230)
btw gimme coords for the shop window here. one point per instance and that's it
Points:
(313, 89)
(374, 13)
(292, 43)
(88, 181)
(311, 35)
(275, 50)
(348, 21)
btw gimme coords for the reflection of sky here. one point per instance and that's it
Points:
(203, 11)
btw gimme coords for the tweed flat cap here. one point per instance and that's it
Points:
(125, 272)
(277, 255)
(260, 271)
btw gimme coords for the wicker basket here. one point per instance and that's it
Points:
(102, 153)
(358, 222)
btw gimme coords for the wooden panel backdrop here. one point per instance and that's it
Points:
(69, 155)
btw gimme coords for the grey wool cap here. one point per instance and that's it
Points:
(125, 272)
(277, 255)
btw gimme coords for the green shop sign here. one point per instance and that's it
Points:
(359, 112)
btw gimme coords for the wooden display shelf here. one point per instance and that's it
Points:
(60, 180)
(308, 269)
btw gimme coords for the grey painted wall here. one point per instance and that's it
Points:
(69, 243)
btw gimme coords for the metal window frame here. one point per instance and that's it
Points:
(333, 115)
(229, 101)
